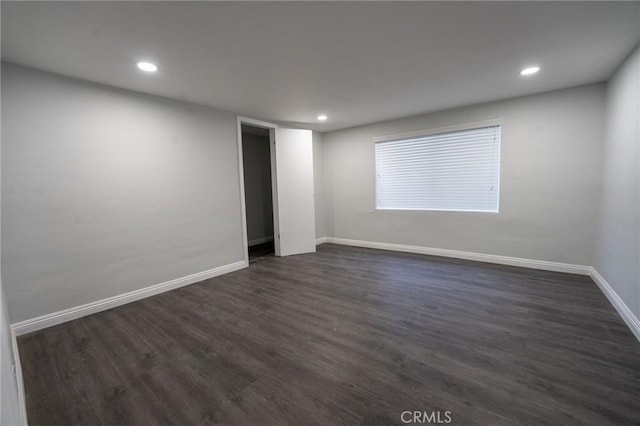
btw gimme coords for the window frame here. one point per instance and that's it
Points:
(432, 132)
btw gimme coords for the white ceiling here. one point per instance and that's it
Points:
(357, 62)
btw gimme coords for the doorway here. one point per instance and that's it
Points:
(258, 191)
(289, 174)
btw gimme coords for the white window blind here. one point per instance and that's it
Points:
(454, 171)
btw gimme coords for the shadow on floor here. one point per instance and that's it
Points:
(261, 251)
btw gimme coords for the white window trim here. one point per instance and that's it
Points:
(430, 132)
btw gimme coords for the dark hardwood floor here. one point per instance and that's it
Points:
(344, 336)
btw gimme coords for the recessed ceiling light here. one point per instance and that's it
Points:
(529, 70)
(322, 117)
(147, 66)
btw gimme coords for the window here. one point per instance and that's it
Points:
(453, 170)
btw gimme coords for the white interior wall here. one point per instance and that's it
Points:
(10, 413)
(617, 248)
(550, 171)
(106, 191)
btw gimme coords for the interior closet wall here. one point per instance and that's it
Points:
(257, 188)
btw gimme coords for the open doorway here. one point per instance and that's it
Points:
(289, 175)
(257, 173)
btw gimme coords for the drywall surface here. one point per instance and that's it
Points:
(550, 170)
(106, 191)
(317, 184)
(257, 187)
(10, 414)
(9, 409)
(617, 250)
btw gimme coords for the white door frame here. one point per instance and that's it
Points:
(274, 189)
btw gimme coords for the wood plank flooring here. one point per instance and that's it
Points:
(344, 336)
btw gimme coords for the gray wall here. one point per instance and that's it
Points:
(617, 250)
(550, 169)
(256, 159)
(106, 191)
(9, 405)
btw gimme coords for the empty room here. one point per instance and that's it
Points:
(331, 213)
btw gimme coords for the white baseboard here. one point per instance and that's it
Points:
(59, 317)
(260, 241)
(321, 240)
(480, 257)
(632, 321)
(22, 406)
